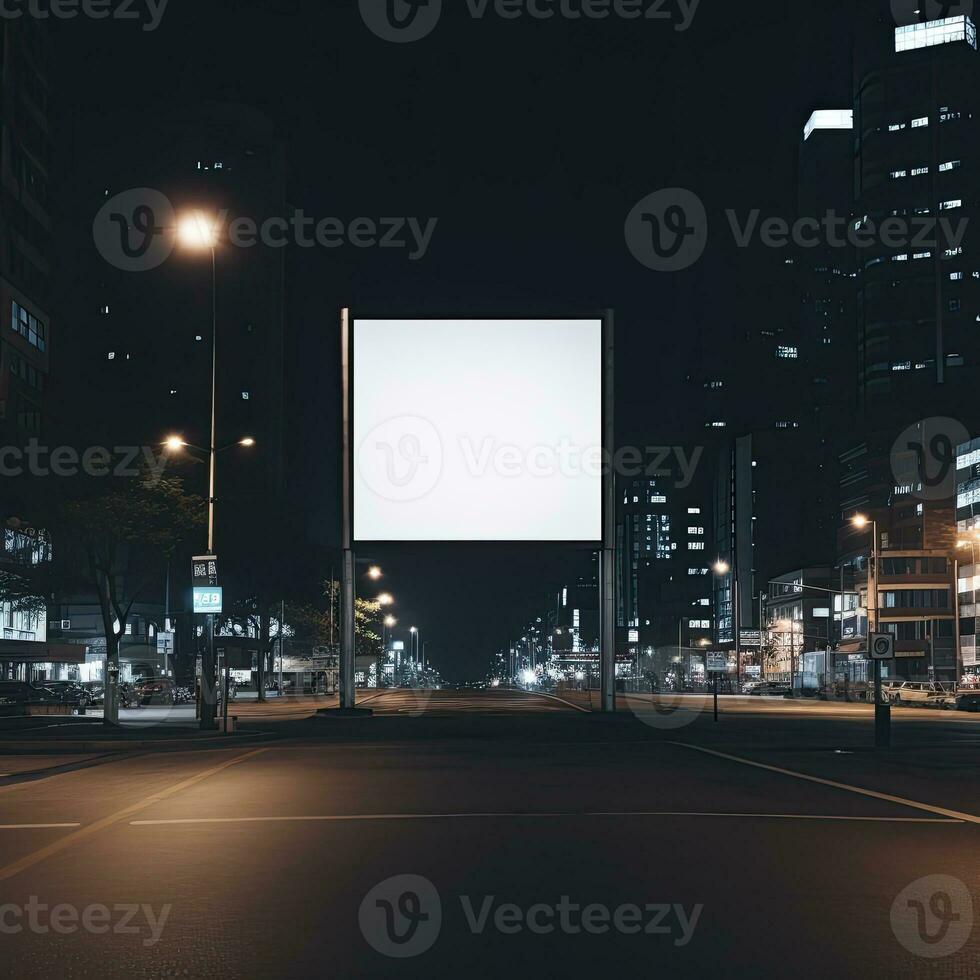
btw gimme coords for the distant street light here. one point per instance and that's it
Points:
(385, 599)
(374, 572)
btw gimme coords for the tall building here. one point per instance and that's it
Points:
(25, 320)
(664, 554)
(916, 105)
(25, 242)
(916, 168)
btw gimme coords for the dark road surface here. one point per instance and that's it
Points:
(540, 841)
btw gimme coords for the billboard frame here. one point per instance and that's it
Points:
(605, 321)
(605, 545)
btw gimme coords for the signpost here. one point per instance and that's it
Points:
(165, 648)
(716, 663)
(208, 601)
(881, 647)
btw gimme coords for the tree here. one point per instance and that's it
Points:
(113, 541)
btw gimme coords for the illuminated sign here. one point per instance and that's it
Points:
(207, 599)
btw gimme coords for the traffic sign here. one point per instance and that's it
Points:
(881, 646)
(165, 643)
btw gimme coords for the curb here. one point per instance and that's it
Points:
(127, 745)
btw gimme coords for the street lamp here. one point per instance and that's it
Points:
(386, 624)
(198, 232)
(385, 599)
(882, 711)
(414, 630)
(374, 573)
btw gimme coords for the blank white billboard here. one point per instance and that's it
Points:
(477, 429)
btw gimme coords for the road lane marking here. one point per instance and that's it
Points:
(346, 817)
(29, 860)
(860, 790)
(35, 826)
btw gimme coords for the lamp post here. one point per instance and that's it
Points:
(414, 645)
(386, 624)
(197, 232)
(175, 444)
(882, 711)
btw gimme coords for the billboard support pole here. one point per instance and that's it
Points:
(607, 570)
(347, 564)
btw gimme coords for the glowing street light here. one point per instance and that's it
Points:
(197, 230)
(390, 621)
(722, 567)
(385, 599)
(374, 573)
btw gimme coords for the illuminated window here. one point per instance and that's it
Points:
(949, 30)
(828, 119)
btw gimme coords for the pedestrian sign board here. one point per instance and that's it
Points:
(881, 646)
(717, 663)
(207, 599)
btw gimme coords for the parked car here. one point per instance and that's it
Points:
(770, 689)
(155, 690)
(915, 692)
(966, 701)
(21, 692)
(69, 692)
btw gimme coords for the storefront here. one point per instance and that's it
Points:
(24, 660)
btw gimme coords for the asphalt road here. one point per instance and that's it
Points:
(541, 840)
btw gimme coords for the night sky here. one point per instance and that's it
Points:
(530, 141)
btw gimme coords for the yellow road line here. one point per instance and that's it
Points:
(29, 860)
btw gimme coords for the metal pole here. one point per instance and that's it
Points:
(883, 712)
(738, 631)
(214, 388)
(608, 581)
(347, 638)
(958, 653)
(208, 699)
